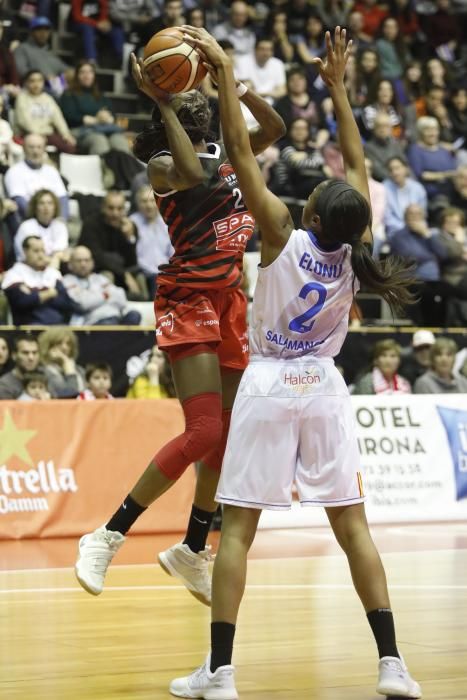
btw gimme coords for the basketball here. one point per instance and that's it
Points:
(171, 63)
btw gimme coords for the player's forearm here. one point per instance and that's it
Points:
(186, 162)
(349, 136)
(271, 125)
(234, 129)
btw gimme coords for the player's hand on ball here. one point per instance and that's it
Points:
(143, 82)
(213, 55)
(332, 70)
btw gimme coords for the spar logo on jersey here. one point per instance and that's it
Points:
(165, 324)
(227, 173)
(233, 232)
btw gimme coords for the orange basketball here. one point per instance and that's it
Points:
(171, 63)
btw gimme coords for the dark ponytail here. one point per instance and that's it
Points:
(152, 139)
(391, 278)
(345, 215)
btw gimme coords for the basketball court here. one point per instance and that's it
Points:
(301, 632)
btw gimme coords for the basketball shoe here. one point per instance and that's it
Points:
(96, 551)
(192, 569)
(394, 679)
(219, 685)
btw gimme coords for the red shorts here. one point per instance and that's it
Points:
(187, 316)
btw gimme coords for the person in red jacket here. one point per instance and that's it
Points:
(92, 19)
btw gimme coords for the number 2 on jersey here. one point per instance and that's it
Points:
(299, 323)
(238, 204)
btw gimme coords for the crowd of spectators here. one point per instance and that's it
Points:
(406, 80)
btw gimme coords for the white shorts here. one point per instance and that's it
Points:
(292, 422)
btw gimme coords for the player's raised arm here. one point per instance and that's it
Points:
(182, 170)
(332, 71)
(272, 216)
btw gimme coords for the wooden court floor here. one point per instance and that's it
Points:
(301, 635)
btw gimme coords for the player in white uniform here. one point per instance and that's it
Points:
(292, 419)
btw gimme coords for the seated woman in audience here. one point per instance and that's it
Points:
(382, 101)
(311, 44)
(301, 165)
(6, 363)
(453, 235)
(368, 74)
(393, 54)
(431, 163)
(458, 114)
(276, 30)
(410, 90)
(89, 114)
(437, 74)
(383, 378)
(43, 221)
(440, 379)
(155, 381)
(58, 349)
(297, 104)
(195, 17)
(36, 112)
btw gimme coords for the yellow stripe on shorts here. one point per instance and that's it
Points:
(360, 484)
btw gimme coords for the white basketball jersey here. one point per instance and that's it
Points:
(302, 300)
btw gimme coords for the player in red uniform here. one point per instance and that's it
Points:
(200, 319)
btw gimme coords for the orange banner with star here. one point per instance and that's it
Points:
(65, 466)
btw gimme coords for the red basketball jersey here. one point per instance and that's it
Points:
(209, 226)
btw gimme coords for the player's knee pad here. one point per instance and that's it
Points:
(213, 459)
(203, 432)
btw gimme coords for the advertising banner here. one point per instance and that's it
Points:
(65, 466)
(413, 460)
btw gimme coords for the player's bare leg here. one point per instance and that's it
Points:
(350, 527)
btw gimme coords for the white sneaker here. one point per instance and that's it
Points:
(192, 569)
(96, 551)
(394, 679)
(219, 685)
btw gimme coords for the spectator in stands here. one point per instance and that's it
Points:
(368, 74)
(443, 31)
(417, 361)
(410, 91)
(392, 50)
(276, 29)
(333, 13)
(10, 151)
(35, 290)
(89, 114)
(432, 164)
(422, 244)
(91, 19)
(58, 349)
(26, 358)
(383, 378)
(43, 221)
(383, 101)
(382, 146)
(98, 301)
(436, 74)
(153, 247)
(459, 195)
(155, 380)
(34, 54)
(6, 362)
(454, 267)
(111, 237)
(172, 16)
(435, 106)
(360, 40)
(9, 80)
(215, 12)
(35, 387)
(378, 206)
(311, 43)
(265, 72)
(25, 178)
(407, 21)
(457, 112)
(373, 15)
(37, 112)
(297, 104)
(297, 15)
(440, 379)
(300, 167)
(401, 192)
(135, 17)
(98, 382)
(236, 30)
(195, 17)
(7, 255)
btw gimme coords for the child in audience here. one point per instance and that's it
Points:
(35, 387)
(98, 382)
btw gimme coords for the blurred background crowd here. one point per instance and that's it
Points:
(81, 239)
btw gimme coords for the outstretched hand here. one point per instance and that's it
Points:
(332, 70)
(144, 83)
